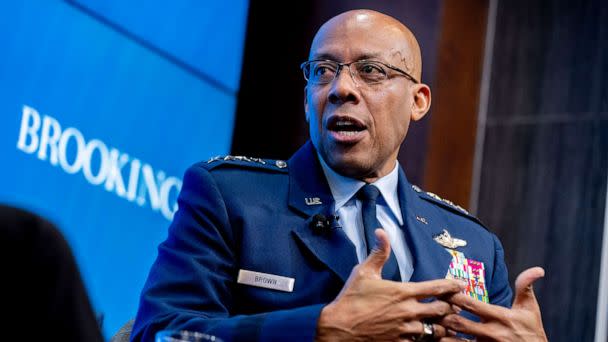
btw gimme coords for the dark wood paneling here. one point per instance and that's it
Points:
(451, 145)
(545, 161)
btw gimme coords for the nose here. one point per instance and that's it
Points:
(343, 88)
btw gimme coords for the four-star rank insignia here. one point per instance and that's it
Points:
(281, 164)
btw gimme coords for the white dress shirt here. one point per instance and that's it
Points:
(388, 212)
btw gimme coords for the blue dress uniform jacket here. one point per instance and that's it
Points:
(253, 214)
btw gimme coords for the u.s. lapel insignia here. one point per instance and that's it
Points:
(422, 219)
(472, 272)
(447, 241)
(312, 201)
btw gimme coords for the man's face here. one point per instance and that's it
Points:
(356, 127)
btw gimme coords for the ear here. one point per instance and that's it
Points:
(306, 103)
(421, 94)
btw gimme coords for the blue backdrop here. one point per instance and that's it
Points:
(103, 105)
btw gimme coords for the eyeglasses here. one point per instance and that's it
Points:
(369, 72)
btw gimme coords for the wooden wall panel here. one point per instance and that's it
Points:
(451, 144)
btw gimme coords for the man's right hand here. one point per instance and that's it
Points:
(370, 308)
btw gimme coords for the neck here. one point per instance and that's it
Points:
(372, 177)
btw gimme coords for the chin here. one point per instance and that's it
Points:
(349, 165)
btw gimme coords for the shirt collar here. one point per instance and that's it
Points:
(344, 188)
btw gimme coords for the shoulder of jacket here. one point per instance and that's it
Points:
(446, 204)
(243, 162)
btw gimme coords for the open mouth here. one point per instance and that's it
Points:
(346, 126)
(346, 129)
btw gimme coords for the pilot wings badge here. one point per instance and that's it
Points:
(447, 241)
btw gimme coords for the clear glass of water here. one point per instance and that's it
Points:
(184, 336)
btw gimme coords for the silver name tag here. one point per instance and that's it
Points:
(269, 281)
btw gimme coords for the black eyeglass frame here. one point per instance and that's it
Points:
(306, 64)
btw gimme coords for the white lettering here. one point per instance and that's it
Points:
(99, 164)
(49, 136)
(28, 130)
(114, 181)
(149, 187)
(133, 179)
(165, 191)
(103, 162)
(63, 147)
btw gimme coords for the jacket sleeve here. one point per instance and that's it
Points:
(500, 292)
(190, 285)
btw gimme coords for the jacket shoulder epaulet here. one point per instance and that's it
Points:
(245, 162)
(446, 204)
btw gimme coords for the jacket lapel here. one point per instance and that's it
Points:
(309, 195)
(431, 260)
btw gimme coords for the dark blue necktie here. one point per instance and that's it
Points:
(368, 195)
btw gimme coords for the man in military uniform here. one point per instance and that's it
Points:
(335, 243)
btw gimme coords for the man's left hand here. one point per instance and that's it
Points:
(520, 323)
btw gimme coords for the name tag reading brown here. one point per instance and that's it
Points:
(265, 280)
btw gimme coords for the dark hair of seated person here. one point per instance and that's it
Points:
(44, 298)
